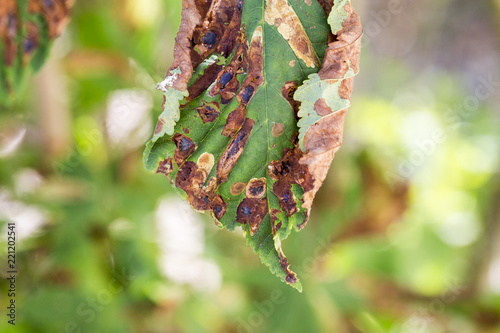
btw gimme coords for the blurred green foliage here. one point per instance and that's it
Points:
(401, 239)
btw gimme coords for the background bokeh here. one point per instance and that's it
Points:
(404, 235)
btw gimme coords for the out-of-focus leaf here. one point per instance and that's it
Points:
(27, 27)
(229, 135)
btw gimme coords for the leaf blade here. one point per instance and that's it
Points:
(244, 117)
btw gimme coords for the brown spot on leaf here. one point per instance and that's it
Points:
(209, 38)
(31, 41)
(160, 123)
(289, 171)
(278, 129)
(289, 167)
(218, 207)
(306, 218)
(220, 29)
(287, 92)
(246, 94)
(345, 88)
(209, 35)
(227, 83)
(166, 166)
(191, 178)
(280, 14)
(199, 201)
(234, 121)
(211, 185)
(344, 52)
(321, 108)
(291, 63)
(233, 151)
(230, 38)
(303, 46)
(185, 147)
(206, 161)
(274, 217)
(226, 86)
(255, 66)
(237, 188)
(256, 188)
(253, 80)
(286, 198)
(252, 211)
(209, 112)
(185, 176)
(203, 82)
(291, 277)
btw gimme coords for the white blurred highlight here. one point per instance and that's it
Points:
(494, 276)
(27, 181)
(29, 219)
(417, 126)
(459, 229)
(9, 143)
(181, 242)
(128, 123)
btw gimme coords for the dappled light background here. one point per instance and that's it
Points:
(404, 235)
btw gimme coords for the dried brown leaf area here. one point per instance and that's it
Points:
(26, 29)
(253, 112)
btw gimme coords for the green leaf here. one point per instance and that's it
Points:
(309, 93)
(231, 143)
(338, 15)
(27, 28)
(170, 114)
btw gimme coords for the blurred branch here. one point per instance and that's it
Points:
(488, 248)
(52, 107)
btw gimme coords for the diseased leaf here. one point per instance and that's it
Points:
(26, 29)
(253, 112)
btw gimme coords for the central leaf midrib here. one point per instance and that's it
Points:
(265, 84)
